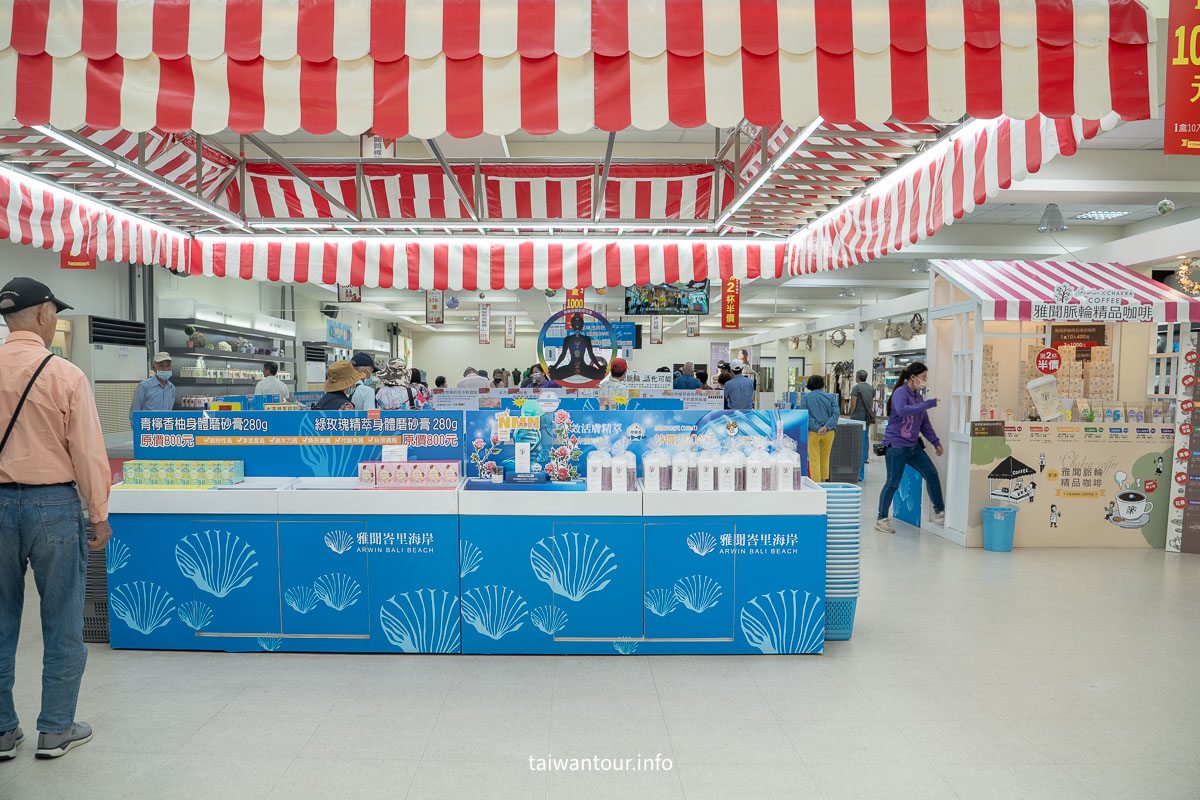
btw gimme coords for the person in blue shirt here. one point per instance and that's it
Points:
(687, 378)
(156, 393)
(823, 416)
(739, 390)
(363, 395)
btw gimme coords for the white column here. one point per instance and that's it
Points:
(864, 347)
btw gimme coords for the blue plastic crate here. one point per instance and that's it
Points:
(839, 618)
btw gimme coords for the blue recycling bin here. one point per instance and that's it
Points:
(999, 523)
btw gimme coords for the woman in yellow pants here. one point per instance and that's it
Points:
(823, 416)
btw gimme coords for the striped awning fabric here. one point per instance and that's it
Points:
(428, 67)
(1067, 291)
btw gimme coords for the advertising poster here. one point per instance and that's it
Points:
(435, 312)
(656, 329)
(338, 334)
(730, 303)
(1076, 485)
(510, 331)
(302, 443)
(485, 323)
(693, 325)
(717, 352)
(348, 293)
(1182, 123)
(574, 298)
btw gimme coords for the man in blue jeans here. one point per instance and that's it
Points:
(50, 441)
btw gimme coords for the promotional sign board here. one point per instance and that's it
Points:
(435, 312)
(81, 261)
(303, 443)
(485, 323)
(453, 398)
(693, 325)
(349, 294)
(1182, 123)
(656, 329)
(730, 303)
(338, 334)
(510, 331)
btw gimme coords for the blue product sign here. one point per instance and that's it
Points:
(338, 334)
(302, 443)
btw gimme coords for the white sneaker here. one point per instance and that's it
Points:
(884, 526)
(938, 518)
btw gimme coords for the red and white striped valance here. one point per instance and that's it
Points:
(935, 189)
(462, 264)
(1010, 290)
(564, 192)
(424, 67)
(33, 213)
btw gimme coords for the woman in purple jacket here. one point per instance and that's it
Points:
(908, 420)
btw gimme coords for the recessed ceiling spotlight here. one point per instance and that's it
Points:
(1103, 216)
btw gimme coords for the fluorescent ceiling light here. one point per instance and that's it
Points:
(95, 153)
(783, 155)
(165, 186)
(1102, 216)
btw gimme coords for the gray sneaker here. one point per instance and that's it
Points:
(53, 745)
(9, 741)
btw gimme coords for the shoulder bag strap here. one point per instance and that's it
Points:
(21, 402)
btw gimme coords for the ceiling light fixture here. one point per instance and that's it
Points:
(919, 266)
(1102, 216)
(1052, 220)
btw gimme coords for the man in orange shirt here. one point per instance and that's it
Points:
(50, 441)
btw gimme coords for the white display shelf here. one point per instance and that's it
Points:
(809, 501)
(198, 502)
(341, 497)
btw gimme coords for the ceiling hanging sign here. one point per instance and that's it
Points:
(1182, 123)
(510, 331)
(349, 294)
(485, 323)
(81, 261)
(574, 299)
(731, 289)
(693, 325)
(656, 329)
(435, 313)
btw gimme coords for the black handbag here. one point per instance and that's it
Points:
(880, 449)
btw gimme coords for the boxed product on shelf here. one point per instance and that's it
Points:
(991, 367)
(183, 473)
(408, 474)
(366, 473)
(1101, 353)
(989, 352)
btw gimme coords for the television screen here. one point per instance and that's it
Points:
(672, 298)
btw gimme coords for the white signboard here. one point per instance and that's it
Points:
(1073, 304)
(485, 323)
(456, 399)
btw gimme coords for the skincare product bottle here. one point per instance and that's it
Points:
(756, 467)
(679, 471)
(727, 472)
(707, 464)
(630, 471)
(619, 474)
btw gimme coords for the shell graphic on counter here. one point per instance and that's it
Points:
(217, 561)
(548, 619)
(142, 605)
(625, 647)
(270, 643)
(195, 615)
(782, 622)
(469, 558)
(701, 543)
(302, 599)
(573, 565)
(661, 601)
(698, 592)
(337, 590)
(116, 555)
(494, 611)
(424, 621)
(339, 541)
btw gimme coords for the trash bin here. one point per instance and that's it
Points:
(998, 526)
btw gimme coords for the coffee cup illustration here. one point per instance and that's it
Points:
(1133, 504)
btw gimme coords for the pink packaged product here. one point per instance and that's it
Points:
(434, 474)
(390, 474)
(366, 474)
(403, 473)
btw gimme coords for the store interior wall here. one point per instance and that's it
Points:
(100, 292)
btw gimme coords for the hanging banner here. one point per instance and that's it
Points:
(656, 329)
(731, 290)
(434, 309)
(1182, 128)
(510, 331)
(81, 261)
(693, 325)
(574, 298)
(485, 323)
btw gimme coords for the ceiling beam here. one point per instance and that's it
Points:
(462, 196)
(298, 175)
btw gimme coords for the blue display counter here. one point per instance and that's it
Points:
(278, 564)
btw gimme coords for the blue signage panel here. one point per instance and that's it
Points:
(625, 332)
(338, 334)
(302, 443)
(377, 584)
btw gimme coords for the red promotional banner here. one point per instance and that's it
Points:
(81, 261)
(730, 303)
(1182, 128)
(574, 298)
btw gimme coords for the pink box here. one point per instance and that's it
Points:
(387, 474)
(366, 474)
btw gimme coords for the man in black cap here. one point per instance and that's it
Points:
(363, 395)
(50, 441)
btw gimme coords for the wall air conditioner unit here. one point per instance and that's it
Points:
(113, 356)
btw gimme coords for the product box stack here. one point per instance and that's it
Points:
(989, 394)
(408, 474)
(1029, 373)
(183, 473)
(1070, 374)
(1101, 374)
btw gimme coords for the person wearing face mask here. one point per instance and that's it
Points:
(156, 393)
(908, 421)
(537, 379)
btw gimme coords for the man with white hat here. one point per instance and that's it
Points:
(156, 393)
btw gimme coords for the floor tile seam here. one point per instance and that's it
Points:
(1059, 767)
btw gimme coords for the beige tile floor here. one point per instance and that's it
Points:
(1054, 674)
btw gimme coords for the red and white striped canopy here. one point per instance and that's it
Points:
(1067, 290)
(428, 67)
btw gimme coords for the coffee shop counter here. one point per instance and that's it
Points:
(307, 565)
